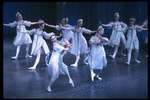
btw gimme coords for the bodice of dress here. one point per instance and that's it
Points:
(57, 49)
(118, 26)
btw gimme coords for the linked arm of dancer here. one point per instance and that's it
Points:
(105, 25)
(32, 23)
(50, 25)
(72, 28)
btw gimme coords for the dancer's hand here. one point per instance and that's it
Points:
(60, 34)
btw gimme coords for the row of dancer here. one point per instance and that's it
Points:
(79, 46)
(117, 36)
(55, 64)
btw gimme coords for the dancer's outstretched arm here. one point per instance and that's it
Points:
(50, 25)
(105, 25)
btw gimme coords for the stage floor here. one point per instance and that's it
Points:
(118, 79)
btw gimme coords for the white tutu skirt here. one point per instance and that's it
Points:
(21, 39)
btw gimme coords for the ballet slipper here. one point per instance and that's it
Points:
(112, 56)
(28, 56)
(123, 54)
(14, 57)
(49, 89)
(128, 63)
(74, 65)
(32, 67)
(92, 76)
(99, 78)
(71, 82)
(137, 61)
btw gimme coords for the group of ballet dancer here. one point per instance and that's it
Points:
(74, 42)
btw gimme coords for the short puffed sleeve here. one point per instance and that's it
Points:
(27, 23)
(139, 28)
(13, 24)
(87, 31)
(91, 40)
(57, 27)
(110, 25)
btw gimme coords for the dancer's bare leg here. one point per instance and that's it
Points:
(76, 62)
(122, 49)
(17, 52)
(37, 59)
(115, 51)
(129, 56)
(136, 55)
(27, 51)
(54, 76)
(92, 74)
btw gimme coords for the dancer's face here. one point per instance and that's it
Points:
(19, 17)
(42, 26)
(63, 21)
(101, 31)
(80, 23)
(117, 17)
(131, 22)
(53, 39)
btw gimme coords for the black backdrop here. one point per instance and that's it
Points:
(90, 12)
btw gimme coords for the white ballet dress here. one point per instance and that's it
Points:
(21, 38)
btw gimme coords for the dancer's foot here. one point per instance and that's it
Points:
(75, 65)
(32, 67)
(49, 89)
(137, 61)
(92, 76)
(123, 54)
(112, 56)
(28, 56)
(128, 63)
(14, 57)
(99, 78)
(84, 62)
(71, 82)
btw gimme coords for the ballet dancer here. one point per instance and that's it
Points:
(39, 44)
(97, 57)
(21, 38)
(79, 43)
(116, 36)
(132, 40)
(145, 24)
(67, 34)
(56, 65)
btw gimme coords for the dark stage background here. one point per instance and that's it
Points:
(90, 12)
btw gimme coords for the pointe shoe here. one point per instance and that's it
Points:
(128, 63)
(71, 82)
(75, 65)
(84, 62)
(123, 54)
(14, 57)
(137, 61)
(49, 89)
(98, 77)
(112, 56)
(92, 76)
(28, 56)
(32, 67)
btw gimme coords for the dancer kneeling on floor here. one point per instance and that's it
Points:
(97, 56)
